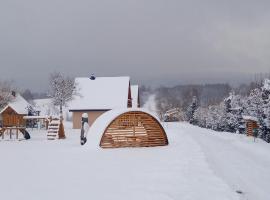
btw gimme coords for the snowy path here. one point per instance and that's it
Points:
(41, 169)
(243, 164)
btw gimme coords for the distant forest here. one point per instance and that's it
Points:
(181, 96)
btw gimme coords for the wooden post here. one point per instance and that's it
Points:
(17, 133)
(61, 133)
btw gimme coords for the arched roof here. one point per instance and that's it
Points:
(102, 122)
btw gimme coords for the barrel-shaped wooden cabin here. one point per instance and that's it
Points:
(127, 128)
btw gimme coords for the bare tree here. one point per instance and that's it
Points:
(62, 90)
(28, 96)
(5, 93)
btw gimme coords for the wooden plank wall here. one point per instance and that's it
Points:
(134, 129)
(11, 118)
(250, 125)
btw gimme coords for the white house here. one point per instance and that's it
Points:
(97, 95)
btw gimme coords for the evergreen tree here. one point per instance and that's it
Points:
(266, 110)
(231, 118)
(200, 116)
(191, 110)
(234, 113)
(254, 108)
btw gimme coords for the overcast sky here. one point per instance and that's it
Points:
(153, 41)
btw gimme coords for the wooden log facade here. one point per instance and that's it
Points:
(251, 126)
(134, 129)
(12, 118)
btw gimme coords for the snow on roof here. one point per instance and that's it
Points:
(135, 95)
(102, 122)
(103, 93)
(42, 103)
(45, 106)
(36, 117)
(250, 118)
(18, 104)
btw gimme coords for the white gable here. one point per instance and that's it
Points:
(19, 105)
(103, 93)
(135, 95)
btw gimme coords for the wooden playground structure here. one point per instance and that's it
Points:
(14, 124)
(52, 125)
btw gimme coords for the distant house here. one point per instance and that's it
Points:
(97, 95)
(46, 107)
(12, 114)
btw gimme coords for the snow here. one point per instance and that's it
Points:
(103, 93)
(36, 117)
(197, 164)
(242, 163)
(135, 95)
(250, 118)
(102, 122)
(18, 104)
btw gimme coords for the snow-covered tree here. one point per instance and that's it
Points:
(5, 93)
(200, 116)
(254, 108)
(61, 91)
(228, 115)
(234, 110)
(266, 110)
(28, 96)
(215, 118)
(191, 110)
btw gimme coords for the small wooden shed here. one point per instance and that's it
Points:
(128, 128)
(11, 118)
(251, 125)
(13, 113)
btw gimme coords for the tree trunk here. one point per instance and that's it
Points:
(61, 112)
(61, 133)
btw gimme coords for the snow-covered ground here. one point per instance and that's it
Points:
(197, 164)
(242, 163)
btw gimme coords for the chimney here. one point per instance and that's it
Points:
(92, 77)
